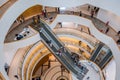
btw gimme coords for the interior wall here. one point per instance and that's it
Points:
(50, 9)
(32, 11)
(9, 54)
(114, 20)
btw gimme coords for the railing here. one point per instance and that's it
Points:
(78, 51)
(76, 44)
(22, 61)
(29, 60)
(36, 58)
(26, 62)
(91, 40)
(19, 71)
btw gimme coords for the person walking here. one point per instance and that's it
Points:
(59, 52)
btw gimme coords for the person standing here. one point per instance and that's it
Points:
(60, 24)
(107, 30)
(6, 67)
(38, 18)
(118, 41)
(88, 78)
(62, 48)
(16, 76)
(49, 42)
(58, 10)
(107, 23)
(88, 7)
(80, 13)
(80, 42)
(96, 11)
(59, 52)
(44, 13)
(95, 8)
(118, 33)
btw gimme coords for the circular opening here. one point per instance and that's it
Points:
(62, 79)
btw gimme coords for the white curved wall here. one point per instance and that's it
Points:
(20, 6)
(2, 2)
(109, 70)
(114, 20)
(11, 48)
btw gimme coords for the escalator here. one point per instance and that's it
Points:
(53, 43)
(96, 52)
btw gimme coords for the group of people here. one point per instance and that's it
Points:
(6, 67)
(75, 58)
(93, 10)
(107, 30)
(118, 41)
(20, 20)
(44, 13)
(61, 50)
(49, 42)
